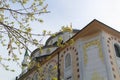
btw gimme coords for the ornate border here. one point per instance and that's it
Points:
(91, 43)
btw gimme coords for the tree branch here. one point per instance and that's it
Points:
(9, 31)
(22, 13)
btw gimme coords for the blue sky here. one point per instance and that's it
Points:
(81, 12)
(77, 12)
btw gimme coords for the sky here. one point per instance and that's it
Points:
(79, 13)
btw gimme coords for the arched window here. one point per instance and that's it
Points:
(28, 78)
(68, 67)
(50, 68)
(117, 50)
(36, 76)
(67, 61)
(49, 72)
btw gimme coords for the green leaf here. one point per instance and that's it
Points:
(14, 1)
(1, 17)
(44, 32)
(8, 59)
(0, 58)
(12, 70)
(40, 20)
(1, 36)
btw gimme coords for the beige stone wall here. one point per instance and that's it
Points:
(30, 75)
(75, 62)
(110, 40)
(44, 68)
(61, 64)
(97, 61)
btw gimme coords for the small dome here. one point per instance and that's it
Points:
(65, 35)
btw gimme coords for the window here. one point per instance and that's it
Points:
(48, 51)
(35, 77)
(68, 67)
(28, 78)
(49, 72)
(50, 68)
(55, 43)
(67, 61)
(117, 50)
(51, 42)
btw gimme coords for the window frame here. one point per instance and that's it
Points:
(68, 55)
(50, 67)
(28, 78)
(68, 70)
(35, 76)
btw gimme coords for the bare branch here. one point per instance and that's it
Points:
(8, 29)
(26, 13)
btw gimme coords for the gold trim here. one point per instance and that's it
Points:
(87, 45)
(97, 76)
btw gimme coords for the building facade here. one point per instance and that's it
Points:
(92, 53)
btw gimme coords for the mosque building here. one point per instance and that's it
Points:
(92, 53)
